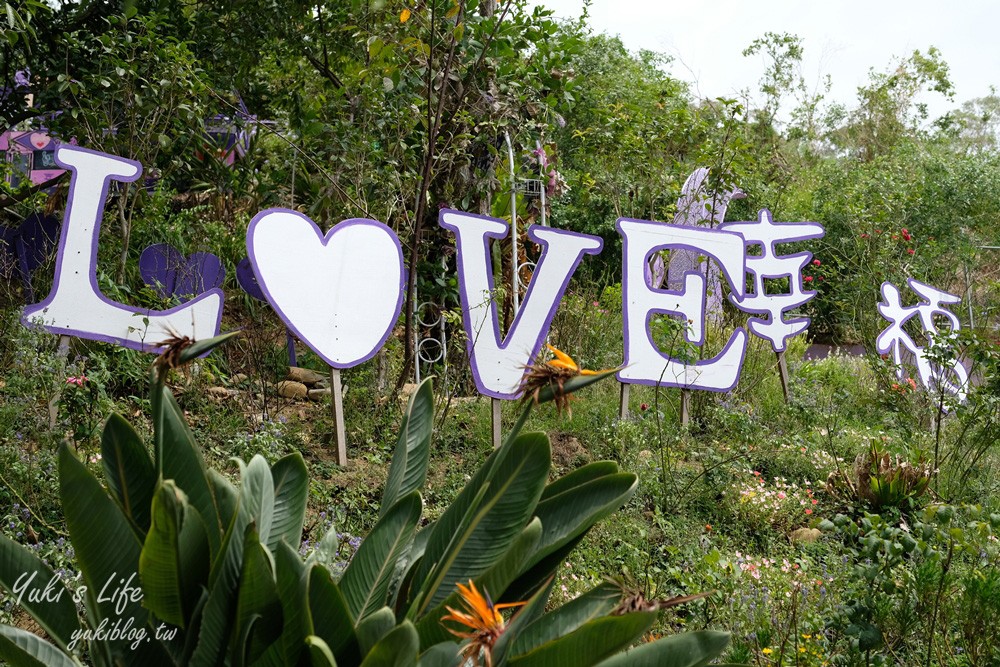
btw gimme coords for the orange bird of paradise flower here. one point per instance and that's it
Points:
(556, 371)
(483, 620)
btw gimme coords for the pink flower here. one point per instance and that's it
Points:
(816, 262)
(808, 279)
(808, 511)
(910, 251)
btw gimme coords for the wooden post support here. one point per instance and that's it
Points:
(685, 407)
(783, 373)
(62, 351)
(496, 419)
(338, 415)
(623, 401)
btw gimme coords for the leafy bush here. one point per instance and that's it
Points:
(181, 566)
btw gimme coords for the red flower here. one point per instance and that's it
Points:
(820, 278)
(864, 236)
(906, 234)
(878, 231)
(644, 407)
(816, 262)
(910, 251)
(708, 527)
(809, 511)
(808, 279)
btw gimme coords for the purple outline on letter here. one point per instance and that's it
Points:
(471, 335)
(737, 288)
(63, 233)
(324, 241)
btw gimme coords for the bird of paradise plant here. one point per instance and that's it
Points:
(553, 374)
(484, 622)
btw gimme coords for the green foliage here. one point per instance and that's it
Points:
(204, 571)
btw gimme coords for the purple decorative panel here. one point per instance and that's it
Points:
(170, 273)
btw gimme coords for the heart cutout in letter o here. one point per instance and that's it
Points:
(340, 293)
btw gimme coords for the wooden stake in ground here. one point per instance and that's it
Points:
(63, 353)
(495, 420)
(685, 407)
(337, 393)
(623, 401)
(783, 373)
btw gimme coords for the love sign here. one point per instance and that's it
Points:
(356, 274)
(341, 291)
(76, 306)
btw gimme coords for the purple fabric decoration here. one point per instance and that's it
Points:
(248, 279)
(697, 207)
(25, 248)
(170, 273)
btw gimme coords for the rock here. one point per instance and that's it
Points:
(221, 393)
(806, 535)
(238, 379)
(319, 394)
(291, 389)
(304, 375)
(409, 389)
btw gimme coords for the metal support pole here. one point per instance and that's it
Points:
(515, 283)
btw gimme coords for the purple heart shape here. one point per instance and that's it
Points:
(248, 279)
(170, 273)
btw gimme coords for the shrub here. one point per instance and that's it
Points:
(180, 566)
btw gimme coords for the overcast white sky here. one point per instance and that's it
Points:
(842, 38)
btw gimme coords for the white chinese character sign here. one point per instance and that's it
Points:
(768, 265)
(895, 341)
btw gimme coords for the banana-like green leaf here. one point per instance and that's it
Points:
(226, 497)
(374, 627)
(575, 510)
(216, 617)
(579, 476)
(174, 562)
(331, 619)
(293, 579)
(128, 470)
(320, 654)
(589, 644)
(531, 611)
(20, 648)
(598, 601)
(494, 582)
(203, 347)
(257, 494)
(183, 463)
(445, 654)
(366, 580)
(291, 490)
(25, 572)
(107, 550)
(535, 576)
(691, 649)
(258, 608)
(399, 648)
(460, 550)
(409, 462)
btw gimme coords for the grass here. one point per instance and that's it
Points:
(718, 505)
